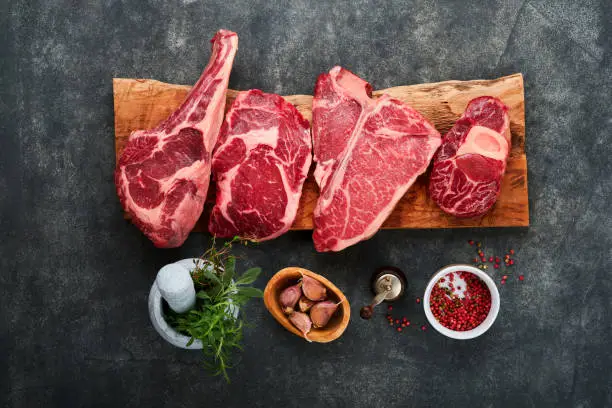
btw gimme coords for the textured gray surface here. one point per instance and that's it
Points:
(74, 329)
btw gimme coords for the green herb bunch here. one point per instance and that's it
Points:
(214, 320)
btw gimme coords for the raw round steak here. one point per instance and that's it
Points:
(468, 168)
(163, 174)
(259, 167)
(368, 154)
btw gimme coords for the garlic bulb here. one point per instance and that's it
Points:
(289, 297)
(313, 289)
(302, 322)
(305, 304)
(321, 312)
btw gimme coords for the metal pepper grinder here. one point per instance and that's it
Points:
(388, 284)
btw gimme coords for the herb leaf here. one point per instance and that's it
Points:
(203, 295)
(249, 276)
(249, 292)
(229, 270)
(206, 272)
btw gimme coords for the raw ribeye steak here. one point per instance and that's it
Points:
(466, 177)
(163, 174)
(368, 154)
(260, 164)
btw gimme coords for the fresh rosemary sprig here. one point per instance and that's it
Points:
(214, 320)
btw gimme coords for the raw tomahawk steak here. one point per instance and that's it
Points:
(468, 168)
(368, 154)
(262, 160)
(163, 174)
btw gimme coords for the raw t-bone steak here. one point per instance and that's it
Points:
(468, 168)
(163, 174)
(260, 165)
(368, 154)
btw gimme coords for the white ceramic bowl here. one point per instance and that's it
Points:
(156, 313)
(480, 329)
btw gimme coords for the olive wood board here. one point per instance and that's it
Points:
(143, 103)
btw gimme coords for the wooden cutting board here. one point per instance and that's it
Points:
(143, 103)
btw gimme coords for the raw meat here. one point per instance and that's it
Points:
(260, 165)
(163, 174)
(368, 154)
(468, 168)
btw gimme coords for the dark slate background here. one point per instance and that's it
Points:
(74, 279)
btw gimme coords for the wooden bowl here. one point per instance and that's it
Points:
(289, 276)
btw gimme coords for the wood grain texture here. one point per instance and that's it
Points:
(290, 276)
(143, 103)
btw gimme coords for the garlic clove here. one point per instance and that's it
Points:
(302, 322)
(289, 297)
(305, 304)
(313, 289)
(321, 312)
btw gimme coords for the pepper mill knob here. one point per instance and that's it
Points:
(388, 284)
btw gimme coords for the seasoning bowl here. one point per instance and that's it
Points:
(484, 325)
(290, 276)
